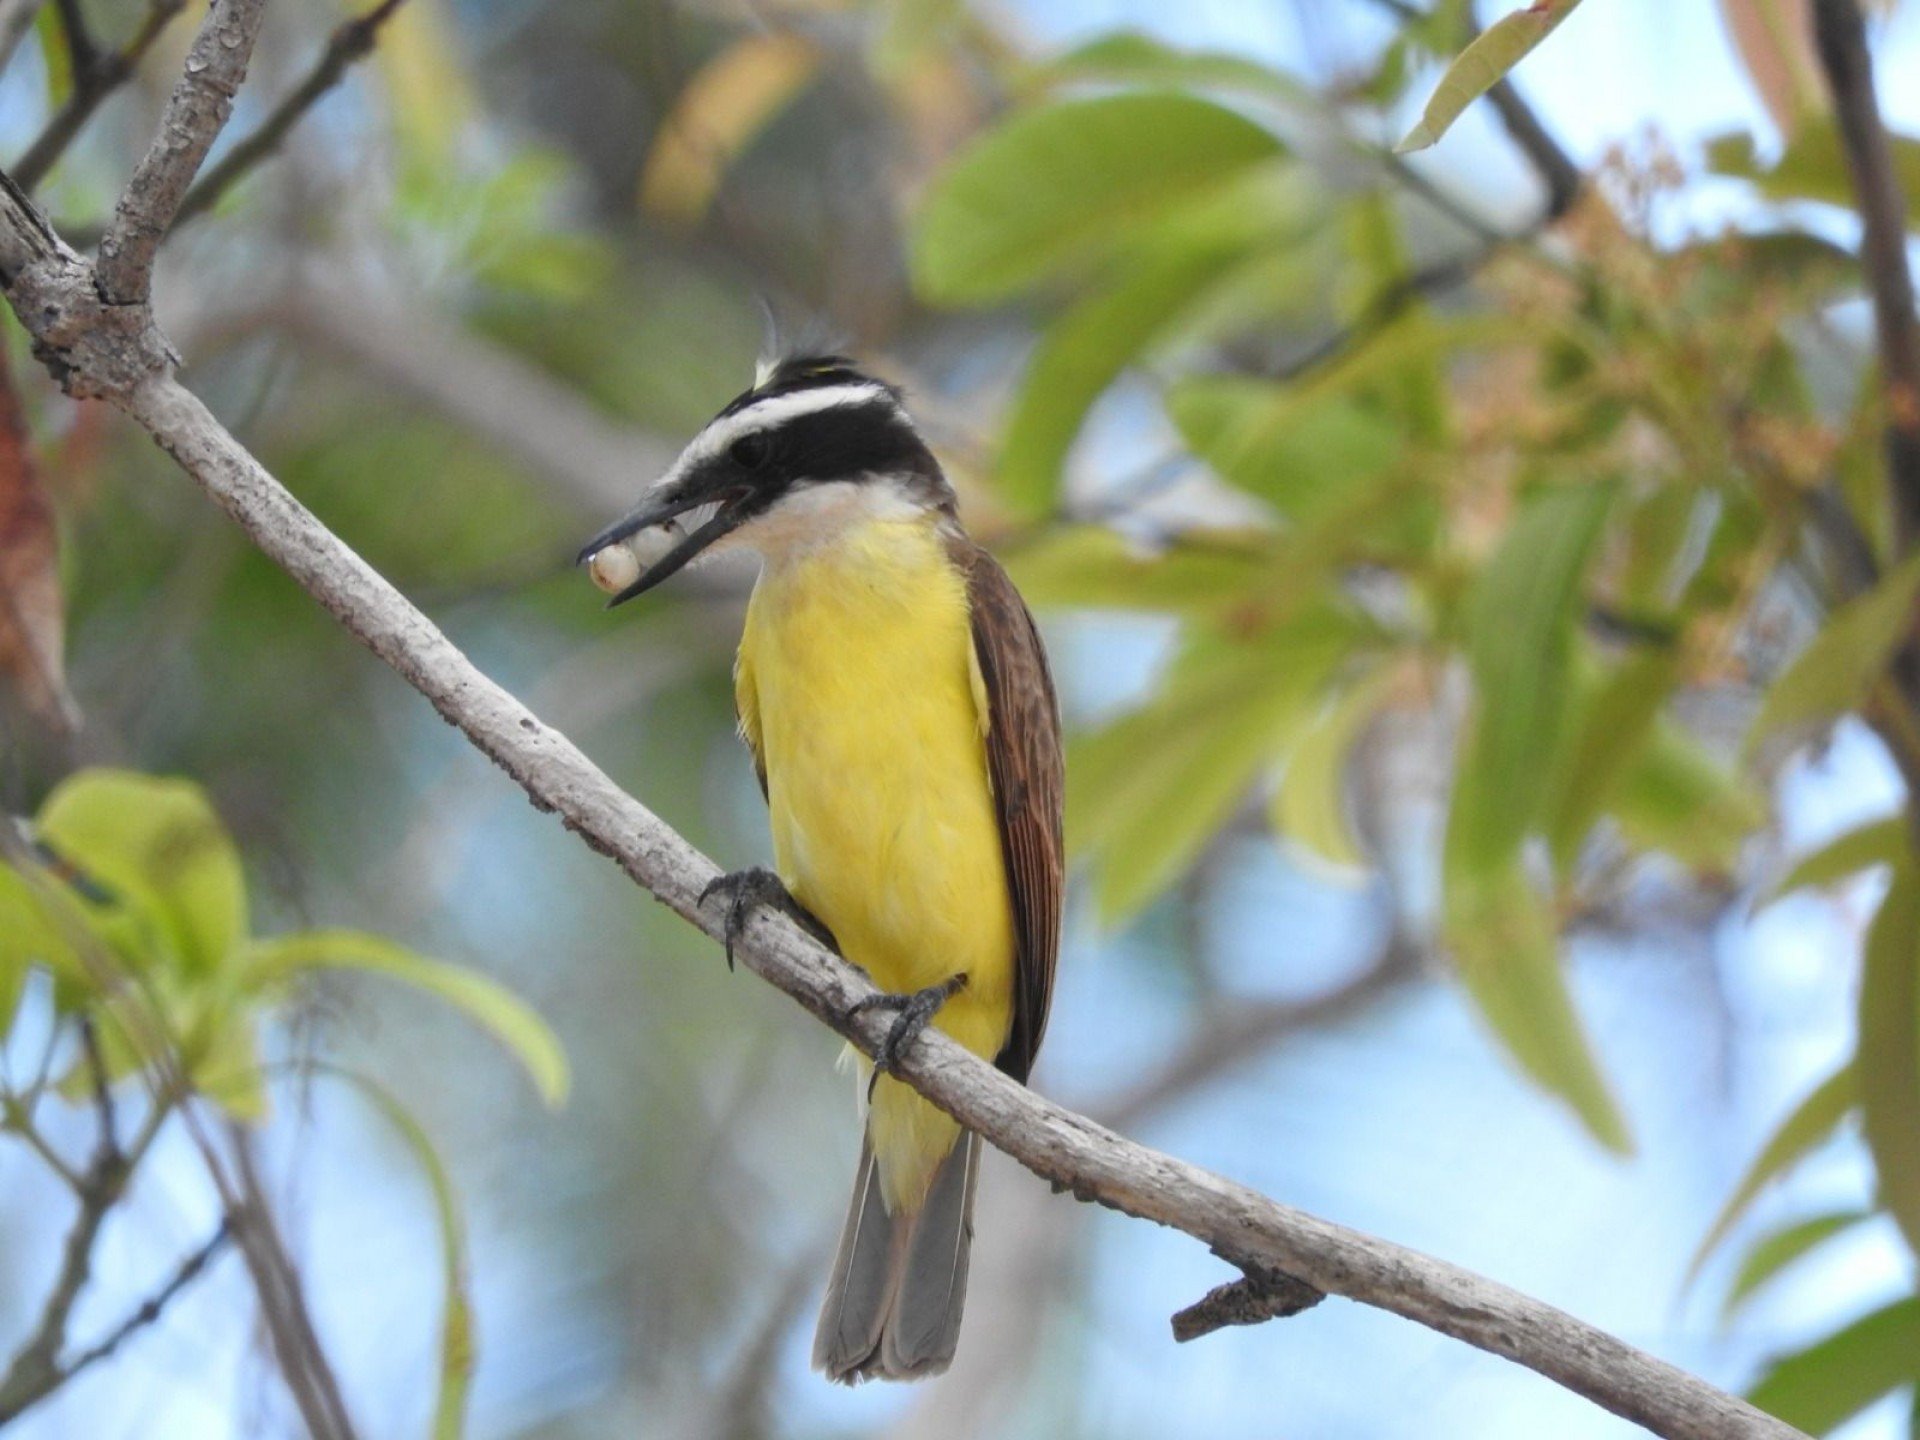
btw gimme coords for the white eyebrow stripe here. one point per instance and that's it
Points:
(777, 410)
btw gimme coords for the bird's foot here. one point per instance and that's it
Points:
(744, 889)
(913, 1012)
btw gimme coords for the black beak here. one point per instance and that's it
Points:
(727, 517)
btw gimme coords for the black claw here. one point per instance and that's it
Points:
(744, 889)
(915, 1010)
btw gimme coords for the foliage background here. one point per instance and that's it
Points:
(587, 197)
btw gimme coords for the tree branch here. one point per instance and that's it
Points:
(53, 293)
(96, 75)
(199, 106)
(349, 44)
(1254, 1298)
(1841, 34)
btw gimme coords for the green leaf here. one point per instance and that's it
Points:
(1091, 567)
(227, 1070)
(457, 1347)
(1082, 354)
(1317, 456)
(1309, 805)
(1615, 718)
(159, 847)
(1677, 798)
(1879, 842)
(1813, 166)
(1827, 1384)
(491, 1005)
(30, 938)
(1806, 1126)
(1484, 64)
(1888, 1060)
(1128, 57)
(1052, 186)
(1837, 671)
(1521, 626)
(1151, 788)
(1775, 1252)
(1502, 937)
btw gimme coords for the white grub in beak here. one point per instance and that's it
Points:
(618, 565)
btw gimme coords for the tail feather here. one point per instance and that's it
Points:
(899, 1282)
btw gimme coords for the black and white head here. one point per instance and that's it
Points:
(815, 447)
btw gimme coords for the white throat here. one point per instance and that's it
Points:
(815, 517)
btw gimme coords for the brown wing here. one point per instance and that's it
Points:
(1025, 764)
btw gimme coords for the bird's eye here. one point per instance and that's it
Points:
(750, 451)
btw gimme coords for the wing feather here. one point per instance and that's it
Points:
(1025, 764)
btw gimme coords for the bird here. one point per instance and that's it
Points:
(896, 698)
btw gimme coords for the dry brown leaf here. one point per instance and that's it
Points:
(32, 610)
(1775, 41)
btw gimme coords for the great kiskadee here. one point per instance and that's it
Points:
(896, 698)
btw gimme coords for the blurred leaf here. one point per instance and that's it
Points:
(1050, 186)
(1309, 805)
(1413, 390)
(1806, 1126)
(1484, 64)
(55, 54)
(1829, 1383)
(1151, 788)
(1888, 1060)
(1613, 720)
(1091, 567)
(159, 848)
(32, 609)
(1129, 57)
(1836, 672)
(1082, 354)
(1520, 633)
(495, 1008)
(458, 1351)
(717, 114)
(1503, 940)
(1675, 797)
(1813, 167)
(1317, 456)
(1775, 1252)
(1879, 842)
(227, 1071)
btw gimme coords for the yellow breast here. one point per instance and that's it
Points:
(857, 687)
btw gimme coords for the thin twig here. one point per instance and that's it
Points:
(1841, 33)
(350, 43)
(16, 19)
(198, 108)
(152, 1308)
(96, 75)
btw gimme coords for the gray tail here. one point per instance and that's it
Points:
(899, 1281)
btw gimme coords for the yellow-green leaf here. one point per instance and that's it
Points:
(1309, 805)
(1888, 1060)
(1502, 938)
(1837, 670)
(158, 846)
(1806, 1126)
(1615, 718)
(1675, 797)
(495, 1008)
(1521, 625)
(1827, 1384)
(1056, 184)
(1484, 64)
(1151, 788)
(1775, 1252)
(1091, 567)
(1878, 842)
(458, 1348)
